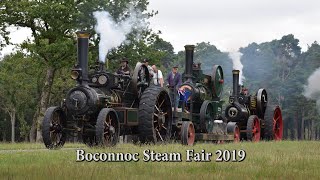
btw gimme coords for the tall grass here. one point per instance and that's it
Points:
(264, 160)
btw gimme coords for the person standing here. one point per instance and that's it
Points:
(146, 63)
(157, 76)
(174, 80)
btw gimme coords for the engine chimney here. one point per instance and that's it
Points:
(235, 83)
(83, 49)
(189, 62)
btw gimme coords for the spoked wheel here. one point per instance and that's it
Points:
(140, 78)
(206, 116)
(273, 124)
(253, 128)
(52, 128)
(233, 128)
(107, 128)
(217, 81)
(155, 115)
(187, 133)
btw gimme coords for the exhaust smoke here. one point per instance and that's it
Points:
(237, 65)
(113, 34)
(312, 89)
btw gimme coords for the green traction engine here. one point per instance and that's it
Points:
(199, 116)
(104, 106)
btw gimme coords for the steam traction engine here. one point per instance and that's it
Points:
(255, 118)
(105, 105)
(200, 114)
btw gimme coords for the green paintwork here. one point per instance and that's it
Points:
(217, 86)
(217, 108)
(121, 116)
(132, 115)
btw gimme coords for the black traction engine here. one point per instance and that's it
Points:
(104, 106)
(255, 118)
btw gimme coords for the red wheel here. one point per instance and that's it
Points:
(277, 124)
(233, 128)
(187, 133)
(273, 124)
(236, 134)
(253, 128)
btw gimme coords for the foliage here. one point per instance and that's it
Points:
(281, 68)
(52, 47)
(25, 87)
(18, 82)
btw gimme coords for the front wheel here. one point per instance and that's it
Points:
(107, 128)
(232, 128)
(52, 128)
(253, 128)
(187, 133)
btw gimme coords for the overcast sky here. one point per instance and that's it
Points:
(230, 24)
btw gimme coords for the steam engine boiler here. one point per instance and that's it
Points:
(199, 116)
(104, 105)
(255, 118)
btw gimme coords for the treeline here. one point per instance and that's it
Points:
(282, 69)
(38, 74)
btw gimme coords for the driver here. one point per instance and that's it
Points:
(244, 91)
(124, 69)
(146, 63)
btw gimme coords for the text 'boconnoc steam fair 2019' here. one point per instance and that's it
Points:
(152, 156)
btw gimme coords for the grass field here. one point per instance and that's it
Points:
(265, 160)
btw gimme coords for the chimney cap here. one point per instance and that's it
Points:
(235, 71)
(83, 34)
(189, 47)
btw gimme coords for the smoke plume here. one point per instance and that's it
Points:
(236, 56)
(113, 34)
(312, 90)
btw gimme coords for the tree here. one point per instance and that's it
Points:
(53, 25)
(166, 48)
(281, 68)
(16, 87)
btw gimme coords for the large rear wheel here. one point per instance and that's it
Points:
(273, 124)
(155, 115)
(52, 128)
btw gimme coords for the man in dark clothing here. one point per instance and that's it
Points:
(174, 80)
(146, 63)
(124, 68)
